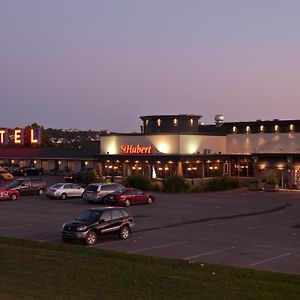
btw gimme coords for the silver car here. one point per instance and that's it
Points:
(64, 191)
(95, 192)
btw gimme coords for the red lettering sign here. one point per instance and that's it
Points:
(136, 149)
(33, 136)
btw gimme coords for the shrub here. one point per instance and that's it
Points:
(221, 183)
(175, 184)
(138, 181)
(273, 181)
(89, 176)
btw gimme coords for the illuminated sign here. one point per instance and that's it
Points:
(18, 136)
(136, 149)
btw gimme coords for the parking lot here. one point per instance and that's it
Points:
(257, 230)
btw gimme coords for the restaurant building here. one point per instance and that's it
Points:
(181, 144)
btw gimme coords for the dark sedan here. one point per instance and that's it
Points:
(128, 197)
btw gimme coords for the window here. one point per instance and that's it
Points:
(116, 214)
(191, 122)
(158, 122)
(124, 213)
(276, 128)
(106, 216)
(234, 129)
(262, 128)
(147, 122)
(248, 129)
(292, 128)
(106, 188)
(175, 122)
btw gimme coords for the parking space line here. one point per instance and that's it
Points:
(157, 247)
(208, 253)
(269, 259)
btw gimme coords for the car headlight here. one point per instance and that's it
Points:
(63, 226)
(81, 228)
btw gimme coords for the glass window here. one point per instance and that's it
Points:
(106, 216)
(116, 214)
(92, 188)
(124, 213)
(89, 215)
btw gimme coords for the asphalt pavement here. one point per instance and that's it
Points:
(258, 230)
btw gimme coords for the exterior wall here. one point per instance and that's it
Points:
(166, 144)
(263, 143)
(202, 144)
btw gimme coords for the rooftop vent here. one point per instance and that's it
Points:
(219, 120)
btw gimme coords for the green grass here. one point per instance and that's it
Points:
(33, 270)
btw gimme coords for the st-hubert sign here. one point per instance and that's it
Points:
(17, 136)
(136, 149)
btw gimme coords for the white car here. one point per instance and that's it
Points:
(64, 191)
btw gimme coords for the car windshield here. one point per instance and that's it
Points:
(15, 183)
(89, 215)
(56, 186)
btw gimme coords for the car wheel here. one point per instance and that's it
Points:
(127, 202)
(91, 238)
(41, 192)
(14, 197)
(150, 200)
(63, 196)
(124, 232)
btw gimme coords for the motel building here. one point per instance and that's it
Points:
(182, 145)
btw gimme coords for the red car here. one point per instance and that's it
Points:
(7, 194)
(127, 197)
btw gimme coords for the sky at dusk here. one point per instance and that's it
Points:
(103, 64)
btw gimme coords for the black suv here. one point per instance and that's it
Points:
(29, 185)
(92, 223)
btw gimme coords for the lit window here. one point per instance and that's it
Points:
(175, 121)
(191, 122)
(261, 128)
(276, 128)
(234, 129)
(292, 128)
(147, 122)
(158, 122)
(248, 129)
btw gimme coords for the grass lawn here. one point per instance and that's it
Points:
(33, 270)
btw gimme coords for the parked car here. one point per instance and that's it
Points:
(28, 185)
(128, 197)
(4, 175)
(8, 194)
(74, 177)
(92, 223)
(94, 192)
(64, 191)
(28, 171)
